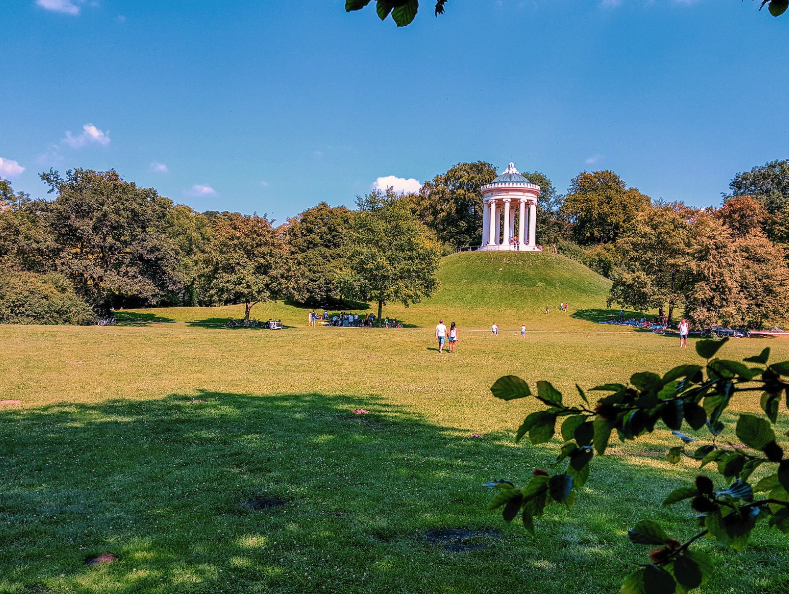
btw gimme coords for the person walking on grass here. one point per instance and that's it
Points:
(441, 335)
(684, 327)
(453, 337)
(523, 330)
(494, 329)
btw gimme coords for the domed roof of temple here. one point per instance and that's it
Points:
(511, 177)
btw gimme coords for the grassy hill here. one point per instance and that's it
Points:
(477, 289)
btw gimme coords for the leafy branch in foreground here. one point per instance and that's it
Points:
(689, 394)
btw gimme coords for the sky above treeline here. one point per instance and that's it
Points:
(274, 106)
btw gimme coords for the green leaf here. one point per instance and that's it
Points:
(760, 358)
(602, 433)
(581, 457)
(548, 394)
(681, 371)
(559, 487)
(505, 494)
(672, 414)
(680, 494)
(512, 508)
(704, 563)
(780, 368)
(731, 369)
(543, 430)
(769, 403)
(687, 572)
(355, 4)
(584, 434)
(581, 392)
(510, 387)
(768, 483)
(646, 381)
(713, 456)
(674, 455)
(780, 520)
(778, 7)
(695, 415)
(702, 451)
(383, 8)
(732, 530)
(783, 474)
(733, 466)
(405, 14)
(708, 348)
(567, 449)
(633, 583)
(738, 490)
(647, 532)
(569, 426)
(610, 388)
(529, 422)
(658, 581)
(754, 431)
(579, 476)
(528, 522)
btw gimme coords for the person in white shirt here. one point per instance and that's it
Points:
(684, 327)
(494, 329)
(441, 335)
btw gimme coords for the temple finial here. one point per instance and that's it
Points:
(511, 169)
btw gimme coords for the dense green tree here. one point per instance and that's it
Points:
(392, 256)
(25, 241)
(318, 240)
(451, 203)
(768, 184)
(32, 298)
(600, 206)
(653, 258)
(246, 262)
(552, 226)
(191, 231)
(404, 11)
(111, 238)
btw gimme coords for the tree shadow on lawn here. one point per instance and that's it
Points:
(140, 318)
(606, 315)
(181, 490)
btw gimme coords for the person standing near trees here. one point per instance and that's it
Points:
(453, 337)
(441, 335)
(683, 334)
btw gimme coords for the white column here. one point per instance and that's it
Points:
(512, 222)
(492, 222)
(497, 222)
(532, 223)
(485, 219)
(521, 223)
(506, 239)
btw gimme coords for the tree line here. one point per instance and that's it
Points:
(103, 242)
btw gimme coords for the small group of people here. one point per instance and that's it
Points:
(348, 320)
(563, 306)
(442, 334)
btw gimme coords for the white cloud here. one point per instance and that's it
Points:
(596, 158)
(10, 168)
(159, 167)
(264, 183)
(198, 191)
(62, 6)
(90, 135)
(398, 184)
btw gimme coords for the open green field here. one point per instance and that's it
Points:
(156, 443)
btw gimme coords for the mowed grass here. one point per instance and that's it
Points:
(149, 443)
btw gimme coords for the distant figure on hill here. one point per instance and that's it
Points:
(684, 327)
(494, 329)
(547, 309)
(453, 337)
(523, 330)
(441, 335)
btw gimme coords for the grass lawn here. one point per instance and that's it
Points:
(171, 447)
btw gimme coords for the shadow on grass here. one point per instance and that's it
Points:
(342, 306)
(606, 315)
(173, 488)
(140, 318)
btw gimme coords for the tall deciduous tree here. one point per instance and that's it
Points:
(601, 206)
(191, 231)
(318, 240)
(742, 215)
(392, 257)
(451, 203)
(246, 262)
(111, 237)
(769, 184)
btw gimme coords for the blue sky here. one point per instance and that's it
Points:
(271, 107)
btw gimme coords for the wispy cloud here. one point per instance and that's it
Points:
(158, 167)
(199, 191)
(264, 183)
(398, 184)
(596, 158)
(91, 135)
(61, 6)
(10, 168)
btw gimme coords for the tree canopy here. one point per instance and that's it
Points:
(768, 184)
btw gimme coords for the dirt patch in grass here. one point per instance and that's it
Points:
(103, 559)
(461, 540)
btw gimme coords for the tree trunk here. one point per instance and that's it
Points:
(247, 308)
(670, 312)
(380, 311)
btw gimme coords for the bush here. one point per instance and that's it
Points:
(29, 298)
